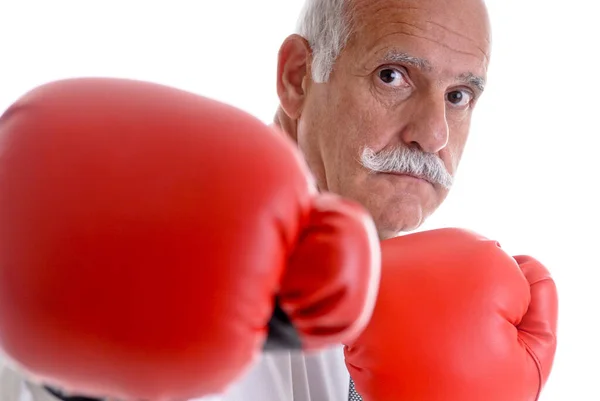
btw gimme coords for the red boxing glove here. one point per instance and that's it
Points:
(146, 232)
(456, 319)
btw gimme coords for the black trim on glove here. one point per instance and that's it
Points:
(282, 334)
(59, 394)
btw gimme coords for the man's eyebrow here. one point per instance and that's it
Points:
(395, 56)
(475, 80)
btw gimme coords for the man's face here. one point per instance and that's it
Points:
(409, 79)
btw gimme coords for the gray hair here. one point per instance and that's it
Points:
(405, 160)
(326, 25)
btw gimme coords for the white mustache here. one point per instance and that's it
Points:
(404, 160)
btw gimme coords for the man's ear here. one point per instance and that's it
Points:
(293, 67)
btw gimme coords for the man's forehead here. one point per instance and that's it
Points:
(462, 23)
(432, 40)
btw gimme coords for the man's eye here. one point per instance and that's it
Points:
(459, 98)
(393, 77)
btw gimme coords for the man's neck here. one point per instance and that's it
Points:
(286, 124)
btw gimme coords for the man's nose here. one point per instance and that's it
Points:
(427, 128)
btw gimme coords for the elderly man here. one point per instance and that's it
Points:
(367, 88)
(378, 95)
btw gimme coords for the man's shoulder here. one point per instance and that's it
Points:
(13, 386)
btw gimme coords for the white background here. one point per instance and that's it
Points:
(528, 179)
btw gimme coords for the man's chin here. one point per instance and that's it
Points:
(394, 209)
(391, 225)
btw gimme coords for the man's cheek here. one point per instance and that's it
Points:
(451, 156)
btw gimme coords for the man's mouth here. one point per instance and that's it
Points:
(410, 175)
